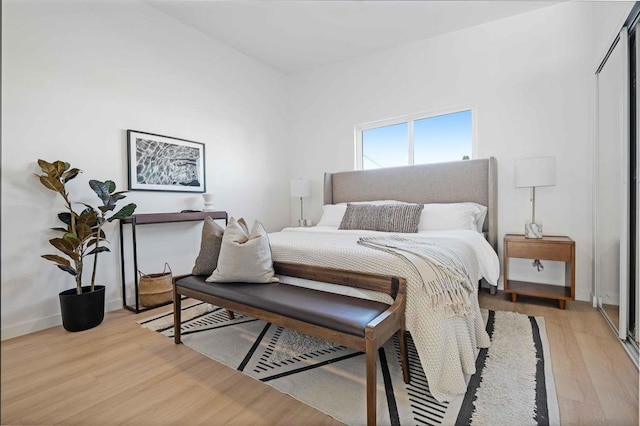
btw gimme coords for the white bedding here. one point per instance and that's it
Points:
(447, 344)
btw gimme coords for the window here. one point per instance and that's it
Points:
(418, 139)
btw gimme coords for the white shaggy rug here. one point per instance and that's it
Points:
(513, 384)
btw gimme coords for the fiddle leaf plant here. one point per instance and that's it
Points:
(106, 192)
(82, 233)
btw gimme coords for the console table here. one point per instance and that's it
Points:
(147, 219)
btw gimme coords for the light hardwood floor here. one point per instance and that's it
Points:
(121, 373)
(596, 381)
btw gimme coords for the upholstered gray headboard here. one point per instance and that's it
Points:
(453, 182)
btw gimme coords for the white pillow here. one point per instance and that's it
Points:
(244, 258)
(332, 214)
(447, 216)
(480, 216)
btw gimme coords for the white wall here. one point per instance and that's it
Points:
(75, 76)
(530, 81)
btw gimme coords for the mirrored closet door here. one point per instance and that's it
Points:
(617, 221)
(612, 202)
(634, 155)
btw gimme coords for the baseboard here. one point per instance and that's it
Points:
(28, 327)
(113, 305)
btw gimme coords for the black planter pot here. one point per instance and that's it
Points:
(82, 311)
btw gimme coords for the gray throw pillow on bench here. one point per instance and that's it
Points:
(210, 244)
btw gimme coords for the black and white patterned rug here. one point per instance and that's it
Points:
(513, 383)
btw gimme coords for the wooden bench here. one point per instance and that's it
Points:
(360, 324)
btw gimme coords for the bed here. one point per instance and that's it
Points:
(442, 267)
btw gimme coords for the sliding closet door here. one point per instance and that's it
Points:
(634, 318)
(612, 175)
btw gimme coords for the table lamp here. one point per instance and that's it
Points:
(531, 173)
(301, 188)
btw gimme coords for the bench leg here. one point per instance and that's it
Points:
(177, 311)
(231, 315)
(371, 383)
(402, 339)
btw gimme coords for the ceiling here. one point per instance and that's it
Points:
(293, 36)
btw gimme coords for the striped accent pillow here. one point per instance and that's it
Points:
(383, 217)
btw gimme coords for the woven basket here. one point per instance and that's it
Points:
(155, 289)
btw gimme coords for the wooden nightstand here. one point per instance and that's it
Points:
(556, 248)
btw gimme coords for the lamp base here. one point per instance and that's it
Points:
(533, 230)
(305, 222)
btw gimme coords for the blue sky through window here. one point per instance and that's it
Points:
(386, 146)
(442, 138)
(446, 137)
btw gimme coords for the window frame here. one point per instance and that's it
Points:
(409, 119)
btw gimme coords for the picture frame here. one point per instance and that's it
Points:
(164, 163)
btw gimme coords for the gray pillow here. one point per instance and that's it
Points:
(210, 244)
(383, 217)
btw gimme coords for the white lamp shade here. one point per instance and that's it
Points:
(300, 187)
(540, 171)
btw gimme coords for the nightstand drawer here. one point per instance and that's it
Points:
(539, 250)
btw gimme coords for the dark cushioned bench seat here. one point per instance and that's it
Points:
(361, 324)
(339, 312)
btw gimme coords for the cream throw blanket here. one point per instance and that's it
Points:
(445, 267)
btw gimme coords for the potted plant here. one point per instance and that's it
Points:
(81, 307)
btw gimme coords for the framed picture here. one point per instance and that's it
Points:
(163, 163)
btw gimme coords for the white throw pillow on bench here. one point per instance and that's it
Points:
(244, 257)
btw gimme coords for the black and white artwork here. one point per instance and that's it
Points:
(163, 163)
